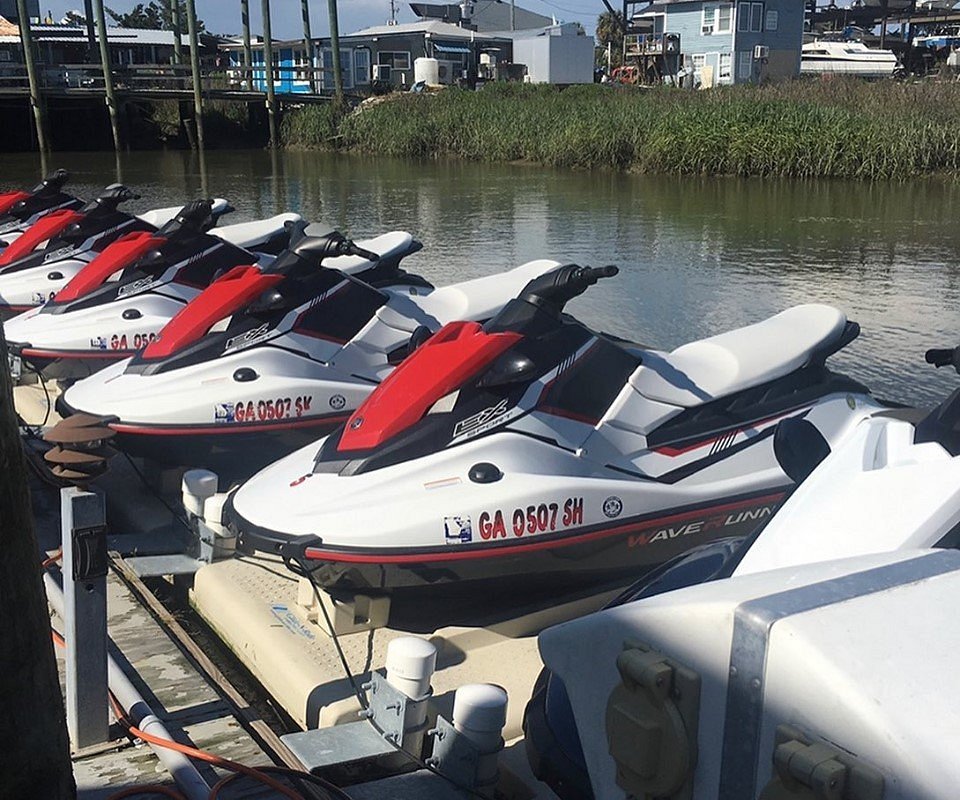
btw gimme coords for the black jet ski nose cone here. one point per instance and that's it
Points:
(485, 472)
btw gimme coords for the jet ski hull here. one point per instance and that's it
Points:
(611, 553)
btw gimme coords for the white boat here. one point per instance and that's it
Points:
(846, 58)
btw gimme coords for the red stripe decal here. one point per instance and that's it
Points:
(385, 557)
(671, 451)
(32, 352)
(147, 430)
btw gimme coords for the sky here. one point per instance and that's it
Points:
(223, 16)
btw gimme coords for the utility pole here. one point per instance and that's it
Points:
(308, 44)
(247, 55)
(33, 727)
(36, 101)
(335, 52)
(174, 6)
(393, 12)
(513, 15)
(195, 70)
(268, 73)
(107, 74)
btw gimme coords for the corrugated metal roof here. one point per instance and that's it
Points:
(434, 27)
(71, 33)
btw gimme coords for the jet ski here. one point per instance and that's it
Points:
(119, 302)
(58, 245)
(264, 361)
(893, 484)
(534, 452)
(20, 209)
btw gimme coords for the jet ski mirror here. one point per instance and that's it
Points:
(944, 358)
(509, 368)
(799, 448)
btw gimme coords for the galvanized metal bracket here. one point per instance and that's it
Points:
(455, 755)
(389, 709)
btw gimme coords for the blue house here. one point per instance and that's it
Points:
(730, 42)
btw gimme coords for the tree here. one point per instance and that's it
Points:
(34, 750)
(610, 31)
(153, 16)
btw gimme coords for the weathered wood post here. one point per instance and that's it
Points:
(36, 100)
(107, 74)
(88, 27)
(195, 70)
(32, 724)
(308, 44)
(335, 51)
(268, 73)
(174, 10)
(247, 55)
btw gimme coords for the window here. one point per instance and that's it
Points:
(361, 65)
(346, 69)
(750, 17)
(717, 18)
(398, 60)
(726, 60)
(745, 65)
(300, 65)
(699, 60)
(773, 20)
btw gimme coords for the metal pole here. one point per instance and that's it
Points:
(335, 51)
(268, 73)
(195, 70)
(247, 56)
(513, 15)
(174, 6)
(308, 44)
(83, 532)
(36, 101)
(188, 779)
(107, 74)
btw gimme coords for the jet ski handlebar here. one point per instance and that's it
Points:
(949, 357)
(555, 289)
(331, 245)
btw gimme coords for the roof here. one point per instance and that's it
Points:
(488, 15)
(434, 27)
(74, 33)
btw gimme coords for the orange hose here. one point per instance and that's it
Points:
(192, 752)
(132, 791)
(48, 562)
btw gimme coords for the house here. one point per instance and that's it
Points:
(729, 42)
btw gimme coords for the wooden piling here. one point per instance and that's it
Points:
(195, 70)
(107, 73)
(335, 51)
(90, 33)
(36, 100)
(308, 44)
(247, 55)
(174, 9)
(268, 73)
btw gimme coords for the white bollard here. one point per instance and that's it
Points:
(410, 665)
(196, 487)
(213, 512)
(479, 713)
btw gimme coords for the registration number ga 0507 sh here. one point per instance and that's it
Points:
(532, 519)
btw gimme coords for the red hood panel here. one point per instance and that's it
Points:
(44, 228)
(119, 255)
(10, 199)
(220, 299)
(440, 365)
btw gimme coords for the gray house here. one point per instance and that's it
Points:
(727, 42)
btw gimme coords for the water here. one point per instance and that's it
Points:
(698, 256)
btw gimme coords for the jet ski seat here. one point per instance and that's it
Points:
(702, 371)
(250, 234)
(387, 245)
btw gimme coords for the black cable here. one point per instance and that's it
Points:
(305, 572)
(173, 512)
(296, 776)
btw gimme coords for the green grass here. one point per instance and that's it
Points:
(804, 129)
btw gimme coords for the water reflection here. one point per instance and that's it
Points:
(697, 255)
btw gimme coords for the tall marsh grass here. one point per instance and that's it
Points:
(837, 128)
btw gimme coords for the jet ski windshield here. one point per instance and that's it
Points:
(467, 380)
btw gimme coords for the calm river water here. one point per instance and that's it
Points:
(697, 256)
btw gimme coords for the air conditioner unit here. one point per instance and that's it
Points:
(761, 52)
(381, 72)
(706, 30)
(449, 71)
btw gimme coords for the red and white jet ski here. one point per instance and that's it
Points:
(119, 302)
(41, 261)
(532, 451)
(19, 209)
(265, 361)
